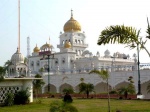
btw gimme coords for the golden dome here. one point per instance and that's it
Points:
(46, 46)
(72, 24)
(67, 44)
(36, 49)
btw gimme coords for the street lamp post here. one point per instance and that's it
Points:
(48, 69)
(138, 63)
(48, 74)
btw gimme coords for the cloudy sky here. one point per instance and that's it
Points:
(41, 19)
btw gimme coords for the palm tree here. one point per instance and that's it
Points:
(130, 89)
(123, 35)
(125, 91)
(104, 75)
(37, 84)
(86, 88)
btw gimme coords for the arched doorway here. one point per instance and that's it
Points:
(144, 90)
(122, 84)
(52, 89)
(64, 86)
(101, 87)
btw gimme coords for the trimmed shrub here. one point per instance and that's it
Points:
(22, 97)
(68, 98)
(9, 101)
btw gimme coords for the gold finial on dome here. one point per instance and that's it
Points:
(67, 44)
(72, 24)
(36, 49)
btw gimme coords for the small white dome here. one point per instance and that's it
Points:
(107, 52)
(17, 58)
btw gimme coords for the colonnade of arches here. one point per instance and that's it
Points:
(98, 88)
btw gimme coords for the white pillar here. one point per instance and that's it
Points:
(57, 89)
(28, 85)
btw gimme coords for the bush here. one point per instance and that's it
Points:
(68, 90)
(22, 97)
(57, 106)
(113, 92)
(68, 98)
(9, 101)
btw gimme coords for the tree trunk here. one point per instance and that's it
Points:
(108, 96)
(87, 93)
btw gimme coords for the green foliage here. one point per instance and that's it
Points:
(2, 72)
(86, 88)
(67, 98)
(130, 89)
(37, 84)
(84, 105)
(25, 60)
(22, 97)
(7, 63)
(9, 101)
(103, 73)
(113, 92)
(123, 35)
(57, 106)
(119, 33)
(68, 90)
(148, 30)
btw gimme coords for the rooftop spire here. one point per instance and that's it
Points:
(71, 13)
(18, 25)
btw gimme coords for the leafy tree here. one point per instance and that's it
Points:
(57, 106)
(104, 75)
(123, 35)
(9, 101)
(130, 89)
(25, 60)
(86, 88)
(68, 90)
(37, 84)
(2, 72)
(7, 63)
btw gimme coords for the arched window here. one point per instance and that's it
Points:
(76, 41)
(63, 42)
(56, 61)
(32, 63)
(63, 60)
(79, 41)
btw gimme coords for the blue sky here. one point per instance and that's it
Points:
(41, 19)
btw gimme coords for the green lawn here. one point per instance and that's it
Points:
(84, 105)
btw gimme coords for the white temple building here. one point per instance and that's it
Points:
(74, 62)
(65, 68)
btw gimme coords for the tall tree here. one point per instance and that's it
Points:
(37, 84)
(104, 75)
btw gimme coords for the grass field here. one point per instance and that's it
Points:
(84, 105)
